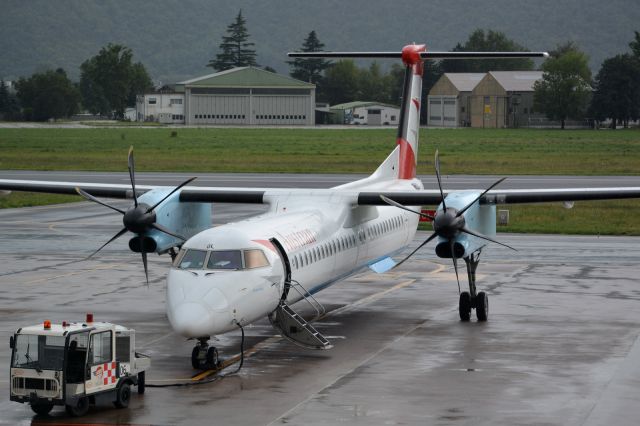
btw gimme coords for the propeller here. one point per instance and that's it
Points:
(449, 222)
(139, 218)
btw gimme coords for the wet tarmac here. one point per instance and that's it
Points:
(561, 346)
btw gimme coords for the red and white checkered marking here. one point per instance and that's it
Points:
(109, 373)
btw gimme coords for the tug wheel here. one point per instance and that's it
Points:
(41, 409)
(123, 395)
(80, 409)
(141, 380)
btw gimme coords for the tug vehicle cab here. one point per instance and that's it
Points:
(70, 364)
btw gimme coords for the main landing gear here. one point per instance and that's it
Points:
(470, 299)
(204, 356)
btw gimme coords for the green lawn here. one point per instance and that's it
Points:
(463, 151)
(359, 150)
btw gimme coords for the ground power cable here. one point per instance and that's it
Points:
(212, 379)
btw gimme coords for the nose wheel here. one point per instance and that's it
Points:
(470, 299)
(204, 356)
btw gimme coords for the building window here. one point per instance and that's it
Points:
(153, 101)
(175, 101)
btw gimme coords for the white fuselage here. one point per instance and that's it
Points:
(326, 238)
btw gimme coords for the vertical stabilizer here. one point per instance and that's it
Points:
(410, 110)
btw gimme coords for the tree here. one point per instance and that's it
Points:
(635, 45)
(372, 85)
(9, 105)
(565, 89)
(4, 96)
(490, 41)
(617, 90)
(110, 81)
(341, 83)
(309, 69)
(46, 95)
(236, 50)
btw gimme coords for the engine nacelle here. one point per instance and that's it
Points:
(479, 218)
(185, 219)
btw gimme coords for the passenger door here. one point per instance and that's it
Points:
(102, 371)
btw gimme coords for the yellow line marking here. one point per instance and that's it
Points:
(251, 351)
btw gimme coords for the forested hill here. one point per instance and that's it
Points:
(176, 38)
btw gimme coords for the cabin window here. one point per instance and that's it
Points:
(193, 259)
(100, 348)
(255, 259)
(225, 259)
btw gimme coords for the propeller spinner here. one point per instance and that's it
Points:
(139, 218)
(449, 222)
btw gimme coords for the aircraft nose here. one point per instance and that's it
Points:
(192, 320)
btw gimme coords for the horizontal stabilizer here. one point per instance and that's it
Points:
(383, 265)
(423, 55)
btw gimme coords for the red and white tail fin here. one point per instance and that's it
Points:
(413, 57)
(409, 125)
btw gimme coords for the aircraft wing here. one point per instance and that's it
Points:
(370, 198)
(505, 196)
(187, 194)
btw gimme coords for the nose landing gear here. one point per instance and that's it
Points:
(470, 299)
(204, 356)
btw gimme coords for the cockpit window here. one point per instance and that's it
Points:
(255, 259)
(193, 259)
(225, 259)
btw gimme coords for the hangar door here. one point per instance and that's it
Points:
(443, 111)
(278, 109)
(219, 108)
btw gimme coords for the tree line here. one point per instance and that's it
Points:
(109, 83)
(566, 91)
(110, 80)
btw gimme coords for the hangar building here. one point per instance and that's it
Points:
(496, 99)
(449, 100)
(504, 99)
(239, 96)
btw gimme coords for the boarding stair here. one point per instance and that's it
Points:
(294, 327)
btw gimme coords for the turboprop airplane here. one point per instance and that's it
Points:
(232, 275)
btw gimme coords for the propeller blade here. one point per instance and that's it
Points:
(118, 235)
(95, 200)
(484, 237)
(166, 231)
(437, 166)
(479, 196)
(144, 262)
(455, 264)
(170, 194)
(431, 237)
(400, 206)
(132, 175)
